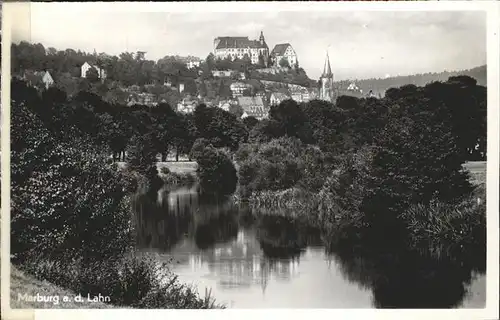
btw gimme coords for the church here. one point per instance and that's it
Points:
(327, 90)
(238, 47)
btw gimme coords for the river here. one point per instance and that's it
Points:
(272, 262)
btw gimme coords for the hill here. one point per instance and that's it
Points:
(379, 86)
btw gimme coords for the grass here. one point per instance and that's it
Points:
(181, 167)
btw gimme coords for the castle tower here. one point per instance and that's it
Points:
(326, 91)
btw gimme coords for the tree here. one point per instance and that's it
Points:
(92, 75)
(250, 122)
(216, 172)
(290, 117)
(262, 62)
(210, 62)
(236, 109)
(284, 63)
(270, 60)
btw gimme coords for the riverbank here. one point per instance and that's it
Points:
(23, 285)
(180, 167)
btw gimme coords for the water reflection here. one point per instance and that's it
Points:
(261, 260)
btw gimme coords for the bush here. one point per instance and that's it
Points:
(141, 155)
(174, 178)
(444, 229)
(341, 197)
(165, 170)
(139, 282)
(216, 172)
(63, 202)
(281, 164)
(198, 147)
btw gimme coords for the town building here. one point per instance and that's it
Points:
(226, 104)
(278, 97)
(253, 107)
(223, 73)
(284, 50)
(38, 79)
(87, 66)
(146, 99)
(301, 96)
(238, 88)
(191, 64)
(187, 105)
(353, 87)
(47, 80)
(327, 91)
(238, 47)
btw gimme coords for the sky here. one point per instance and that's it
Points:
(361, 44)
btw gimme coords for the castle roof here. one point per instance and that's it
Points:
(280, 49)
(238, 42)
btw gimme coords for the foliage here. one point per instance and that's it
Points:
(284, 63)
(451, 230)
(280, 164)
(220, 127)
(138, 282)
(142, 156)
(216, 172)
(92, 75)
(63, 199)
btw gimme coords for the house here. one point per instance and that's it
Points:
(238, 88)
(38, 79)
(353, 87)
(223, 73)
(47, 80)
(87, 66)
(277, 97)
(300, 94)
(253, 107)
(239, 47)
(191, 64)
(187, 105)
(284, 50)
(226, 104)
(143, 98)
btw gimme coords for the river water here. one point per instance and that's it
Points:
(271, 262)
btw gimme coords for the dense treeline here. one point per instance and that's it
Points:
(366, 166)
(127, 68)
(379, 86)
(71, 217)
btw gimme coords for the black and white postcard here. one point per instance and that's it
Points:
(328, 158)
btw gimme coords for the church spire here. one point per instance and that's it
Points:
(327, 70)
(261, 38)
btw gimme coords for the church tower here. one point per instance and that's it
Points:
(326, 91)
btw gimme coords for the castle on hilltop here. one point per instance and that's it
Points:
(238, 47)
(327, 90)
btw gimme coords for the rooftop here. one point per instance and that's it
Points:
(238, 42)
(280, 49)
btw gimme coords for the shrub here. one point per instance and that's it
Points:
(216, 172)
(63, 202)
(453, 230)
(139, 282)
(165, 170)
(275, 165)
(141, 155)
(198, 147)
